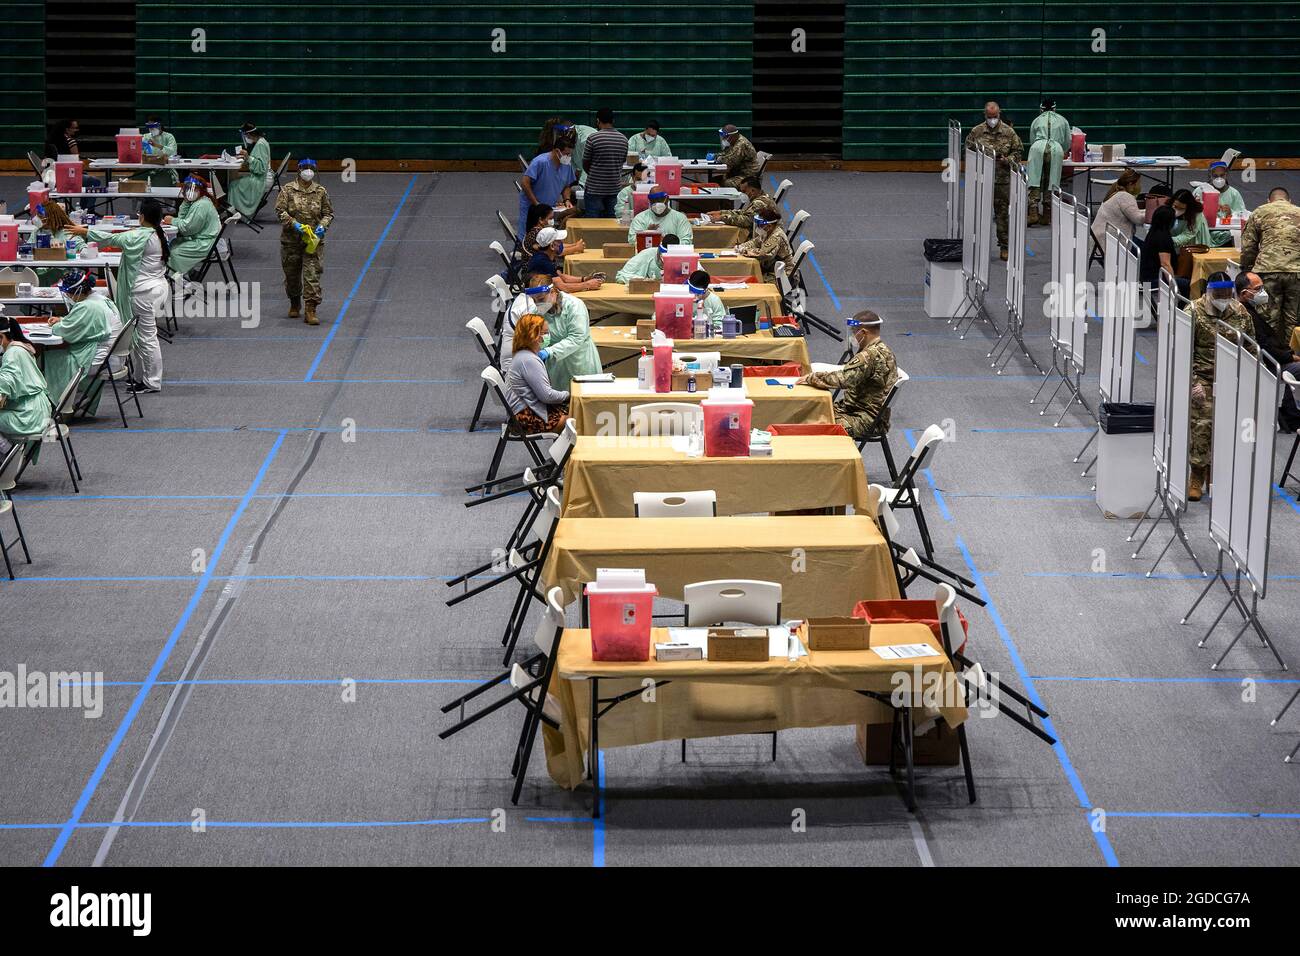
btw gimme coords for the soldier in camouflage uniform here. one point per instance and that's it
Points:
(1270, 247)
(1005, 143)
(1218, 303)
(305, 211)
(739, 155)
(866, 380)
(769, 245)
(743, 218)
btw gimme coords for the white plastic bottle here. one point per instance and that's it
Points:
(645, 371)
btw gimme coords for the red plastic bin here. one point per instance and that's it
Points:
(909, 612)
(788, 370)
(620, 623)
(807, 428)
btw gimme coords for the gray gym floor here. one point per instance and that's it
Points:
(324, 562)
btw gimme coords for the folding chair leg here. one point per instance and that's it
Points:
(496, 458)
(530, 735)
(925, 532)
(68, 460)
(478, 409)
(889, 458)
(4, 549)
(22, 538)
(1286, 472)
(965, 762)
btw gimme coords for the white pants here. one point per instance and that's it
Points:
(147, 300)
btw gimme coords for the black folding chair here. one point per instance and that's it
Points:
(266, 195)
(215, 255)
(10, 467)
(121, 349)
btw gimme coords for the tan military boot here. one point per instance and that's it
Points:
(310, 318)
(295, 308)
(1196, 484)
(1002, 254)
(1032, 218)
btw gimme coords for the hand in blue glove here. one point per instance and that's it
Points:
(708, 157)
(544, 354)
(320, 231)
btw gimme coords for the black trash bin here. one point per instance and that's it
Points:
(1128, 418)
(942, 250)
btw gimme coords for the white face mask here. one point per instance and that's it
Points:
(650, 135)
(191, 194)
(566, 159)
(307, 175)
(1218, 305)
(1218, 182)
(1261, 298)
(993, 122)
(659, 208)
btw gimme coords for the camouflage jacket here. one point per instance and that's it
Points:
(741, 158)
(308, 203)
(1204, 330)
(744, 216)
(768, 249)
(866, 379)
(1004, 141)
(1270, 241)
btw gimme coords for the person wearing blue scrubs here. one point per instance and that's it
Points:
(548, 179)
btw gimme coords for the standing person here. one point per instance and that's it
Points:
(197, 226)
(537, 404)
(142, 289)
(1254, 297)
(248, 186)
(569, 349)
(24, 400)
(83, 330)
(649, 143)
(158, 141)
(1270, 245)
(1008, 149)
(548, 179)
(602, 160)
(769, 245)
(1049, 141)
(866, 380)
(1218, 303)
(738, 154)
(305, 212)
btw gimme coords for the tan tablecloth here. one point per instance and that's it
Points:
(619, 344)
(716, 698)
(1204, 264)
(842, 559)
(586, 263)
(602, 408)
(805, 471)
(612, 299)
(597, 232)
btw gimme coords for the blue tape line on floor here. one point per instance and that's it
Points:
(1172, 680)
(598, 824)
(88, 791)
(383, 237)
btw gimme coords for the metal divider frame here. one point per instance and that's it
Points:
(1014, 333)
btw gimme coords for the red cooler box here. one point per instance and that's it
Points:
(726, 426)
(620, 617)
(673, 312)
(668, 176)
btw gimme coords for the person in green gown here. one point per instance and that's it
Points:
(197, 226)
(246, 191)
(83, 329)
(24, 401)
(158, 142)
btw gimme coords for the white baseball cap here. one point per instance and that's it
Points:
(550, 234)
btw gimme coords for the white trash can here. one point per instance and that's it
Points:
(1126, 472)
(945, 289)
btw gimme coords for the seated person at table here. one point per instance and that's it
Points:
(646, 264)
(540, 217)
(662, 217)
(538, 282)
(537, 406)
(649, 143)
(1190, 228)
(83, 329)
(738, 155)
(769, 245)
(743, 218)
(1229, 197)
(62, 141)
(1119, 208)
(866, 380)
(56, 219)
(1158, 252)
(623, 203)
(546, 260)
(569, 348)
(706, 300)
(158, 142)
(24, 407)
(197, 226)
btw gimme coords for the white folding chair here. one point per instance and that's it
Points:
(500, 250)
(508, 227)
(16, 274)
(796, 225)
(10, 466)
(116, 367)
(781, 190)
(905, 494)
(664, 418)
(490, 351)
(511, 430)
(523, 163)
(675, 504)
(529, 681)
(882, 439)
(763, 159)
(1290, 381)
(502, 298)
(800, 254)
(711, 603)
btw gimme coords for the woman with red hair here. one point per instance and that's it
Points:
(197, 226)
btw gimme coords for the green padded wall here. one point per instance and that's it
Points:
(910, 66)
(22, 82)
(374, 80)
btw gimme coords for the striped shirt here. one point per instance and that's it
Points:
(605, 154)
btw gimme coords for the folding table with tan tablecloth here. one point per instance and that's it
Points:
(1205, 264)
(619, 348)
(603, 407)
(730, 268)
(717, 698)
(597, 232)
(804, 471)
(612, 300)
